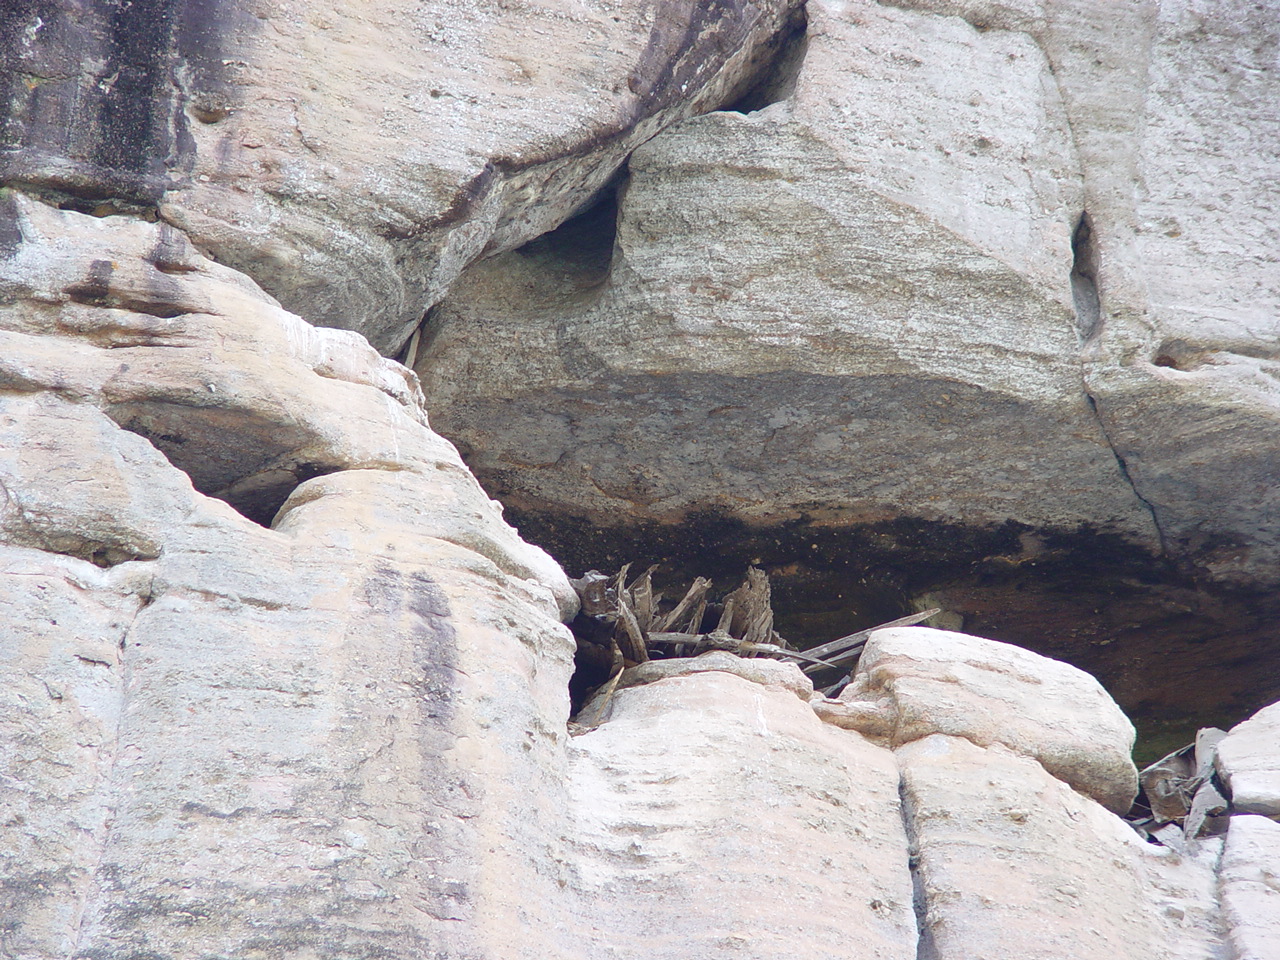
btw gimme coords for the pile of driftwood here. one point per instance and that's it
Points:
(1181, 798)
(624, 624)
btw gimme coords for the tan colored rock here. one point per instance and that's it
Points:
(1248, 760)
(718, 817)
(830, 329)
(1014, 863)
(1250, 875)
(353, 160)
(220, 736)
(935, 681)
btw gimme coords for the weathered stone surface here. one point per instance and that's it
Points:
(865, 302)
(224, 738)
(1013, 863)
(1248, 760)
(1183, 363)
(1251, 887)
(935, 681)
(277, 680)
(762, 670)
(717, 817)
(353, 159)
(802, 312)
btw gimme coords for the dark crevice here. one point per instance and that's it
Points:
(1177, 354)
(579, 252)
(249, 463)
(1084, 278)
(1123, 467)
(1176, 653)
(776, 80)
(97, 552)
(926, 949)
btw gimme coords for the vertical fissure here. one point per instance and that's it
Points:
(145, 597)
(1088, 312)
(1084, 278)
(926, 949)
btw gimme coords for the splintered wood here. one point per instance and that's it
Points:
(635, 630)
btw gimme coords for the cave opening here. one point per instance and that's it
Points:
(1176, 654)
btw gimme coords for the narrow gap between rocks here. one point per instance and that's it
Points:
(777, 79)
(926, 949)
(1084, 278)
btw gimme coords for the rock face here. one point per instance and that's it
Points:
(354, 160)
(277, 679)
(224, 738)
(1249, 764)
(969, 269)
(1251, 886)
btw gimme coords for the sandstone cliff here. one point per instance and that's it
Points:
(976, 298)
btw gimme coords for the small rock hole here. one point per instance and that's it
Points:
(1178, 355)
(1084, 278)
(577, 254)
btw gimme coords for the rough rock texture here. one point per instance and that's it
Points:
(354, 158)
(278, 681)
(228, 739)
(715, 817)
(926, 682)
(794, 321)
(980, 310)
(1013, 863)
(1248, 760)
(1251, 887)
(834, 302)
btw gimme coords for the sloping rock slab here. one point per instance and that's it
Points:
(1012, 863)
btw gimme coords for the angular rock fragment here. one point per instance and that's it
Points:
(935, 681)
(1248, 760)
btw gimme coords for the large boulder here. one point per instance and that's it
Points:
(714, 816)
(265, 640)
(979, 263)
(793, 322)
(923, 682)
(1013, 863)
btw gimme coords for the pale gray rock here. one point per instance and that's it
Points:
(852, 304)
(717, 817)
(1014, 863)
(353, 160)
(1250, 874)
(934, 681)
(988, 261)
(234, 726)
(762, 670)
(1248, 760)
